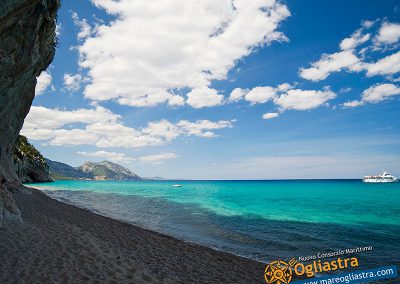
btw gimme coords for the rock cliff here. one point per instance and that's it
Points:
(27, 47)
(30, 165)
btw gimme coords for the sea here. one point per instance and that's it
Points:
(261, 220)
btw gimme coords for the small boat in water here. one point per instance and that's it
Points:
(384, 178)
(177, 185)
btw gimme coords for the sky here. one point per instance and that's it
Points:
(229, 89)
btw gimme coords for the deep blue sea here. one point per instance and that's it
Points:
(263, 220)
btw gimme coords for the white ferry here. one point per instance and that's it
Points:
(384, 177)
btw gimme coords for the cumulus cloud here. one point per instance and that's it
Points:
(237, 94)
(320, 70)
(375, 94)
(158, 158)
(46, 118)
(284, 97)
(388, 65)
(72, 82)
(102, 128)
(43, 82)
(204, 127)
(347, 59)
(153, 49)
(356, 39)
(389, 33)
(284, 87)
(270, 115)
(260, 94)
(84, 28)
(354, 103)
(303, 99)
(204, 97)
(176, 100)
(112, 156)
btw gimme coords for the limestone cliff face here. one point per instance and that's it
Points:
(27, 35)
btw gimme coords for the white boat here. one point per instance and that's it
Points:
(177, 185)
(384, 177)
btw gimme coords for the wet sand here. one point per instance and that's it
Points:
(60, 243)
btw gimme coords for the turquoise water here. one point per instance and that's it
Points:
(257, 219)
(340, 202)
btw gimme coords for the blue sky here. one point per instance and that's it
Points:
(224, 90)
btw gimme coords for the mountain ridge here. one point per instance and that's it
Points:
(104, 170)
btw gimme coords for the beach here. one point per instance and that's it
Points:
(61, 243)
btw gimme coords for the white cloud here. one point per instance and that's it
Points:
(344, 60)
(303, 99)
(122, 158)
(237, 94)
(148, 96)
(347, 60)
(45, 118)
(204, 97)
(389, 33)
(270, 115)
(356, 39)
(58, 29)
(43, 82)
(336, 62)
(367, 24)
(162, 128)
(84, 28)
(112, 156)
(176, 100)
(354, 103)
(284, 97)
(375, 94)
(152, 49)
(203, 127)
(72, 82)
(388, 65)
(102, 128)
(381, 92)
(260, 94)
(284, 87)
(158, 158)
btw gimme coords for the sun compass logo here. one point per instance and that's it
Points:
(279, 272)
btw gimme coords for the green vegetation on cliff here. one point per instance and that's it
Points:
(30, 165)
(25, 149)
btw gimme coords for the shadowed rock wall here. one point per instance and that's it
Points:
(27, 47)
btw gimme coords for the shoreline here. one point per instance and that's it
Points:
(41, 190)
(67, 234)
